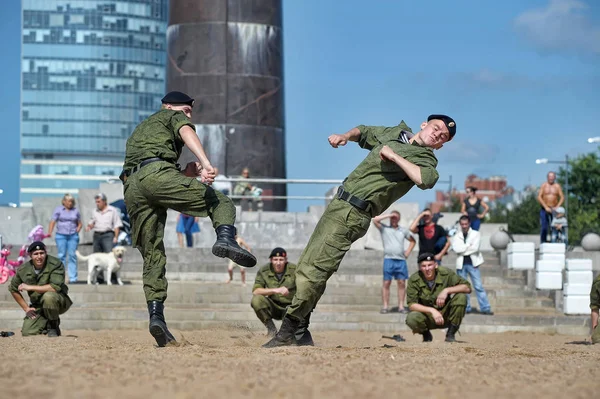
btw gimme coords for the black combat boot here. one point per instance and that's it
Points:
(427, 337)
(302, 335)
(158, 326)
(53, 328)
(286, 334)
(271, 329)
(451, 333)
(227, 247)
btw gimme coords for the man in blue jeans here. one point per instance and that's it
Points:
(394, 257)
(466, 244)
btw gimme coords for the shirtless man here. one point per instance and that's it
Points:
(550, 197)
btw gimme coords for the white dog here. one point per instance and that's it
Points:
(107, 262)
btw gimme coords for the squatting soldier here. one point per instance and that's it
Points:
(595, 306)
(154, 183)
(436, 298)
(43, 277)
(397, 161)
(273, 289)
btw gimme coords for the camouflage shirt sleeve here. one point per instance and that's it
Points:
(595, 295)
(14, 283)
(429, 173)
(412, 292)
(259, 282)
(369, 136)
(57, 278)
(179, 120)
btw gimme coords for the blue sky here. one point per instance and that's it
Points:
(521, 79)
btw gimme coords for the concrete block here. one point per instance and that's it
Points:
(552, 248)
(579, 264)
(580, 277)
(552, 256)
(521, 260)
(548, 280)
(577, 289)
(549, 266)
(576, 304)
(520, 247)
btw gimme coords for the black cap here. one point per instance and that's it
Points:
(278, 252)
(425, 256)
(36, 246)
(449, 122)
(177, 97)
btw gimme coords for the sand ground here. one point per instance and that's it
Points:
(230, 363)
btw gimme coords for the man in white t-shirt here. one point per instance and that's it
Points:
(394, 257)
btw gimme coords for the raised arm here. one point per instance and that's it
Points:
(414, 227)
(377, 220)
(336, 140)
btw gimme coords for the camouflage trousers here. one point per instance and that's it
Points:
(266, 309)
(148, 194)
(52, 305)
(453, 313)
(340, 225)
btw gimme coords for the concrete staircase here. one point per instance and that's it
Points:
(199, 298)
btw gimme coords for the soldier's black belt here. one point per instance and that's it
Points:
(355, 201)
(126, 173)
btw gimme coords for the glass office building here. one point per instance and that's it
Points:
(91, 71)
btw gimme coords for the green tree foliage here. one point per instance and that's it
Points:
(584, 205)
(525, 217)
(455, 205)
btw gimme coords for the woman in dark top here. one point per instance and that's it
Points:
(471, 206)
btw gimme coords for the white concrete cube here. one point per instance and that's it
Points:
(520, 247)
(579, 264)
(521, 260)
(548, 280)
(551, 256)
(577, 289)
(576, 304)
(549, 266)
(577, 277)
(552, 248)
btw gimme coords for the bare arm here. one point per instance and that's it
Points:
(411, 246)
(19, 299)
(336, 140)
(79, 225)
(244, 244)
(595, 317)
(190, 138)
(36, 288)
(486, 209)
(444, 250)
(377, 219)
(463, 208)
(414, 227)
(413, 172)
(51, 226)
(561, 196)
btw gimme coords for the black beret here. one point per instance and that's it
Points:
(449, 122)
(278, 252)
(177, 97)
(425, 256)
(36, 246)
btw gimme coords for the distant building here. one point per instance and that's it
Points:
(490, 190)
(91, 71)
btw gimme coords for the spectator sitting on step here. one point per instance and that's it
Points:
(559, 224)
(436, 297)
(466, 243)
(274, 289)
(394, 257)
(432, 237)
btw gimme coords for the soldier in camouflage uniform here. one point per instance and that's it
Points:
(273, 289)
(397, 161)
(436, 299)
(595, 306)
(43, 277)
(153, 183)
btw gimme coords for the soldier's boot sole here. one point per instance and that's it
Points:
(161, 333)
(277, 342)
(235, 253)
(52, 333)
